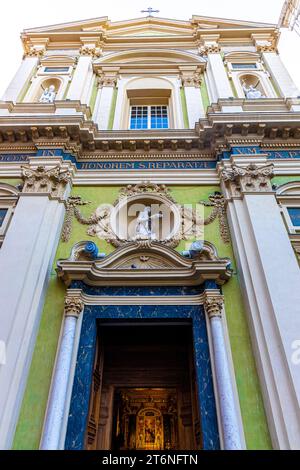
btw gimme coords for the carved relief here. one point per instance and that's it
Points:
(72, 210)
(250, 179)
(218, 202)
(41, 180)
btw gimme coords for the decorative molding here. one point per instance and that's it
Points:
(218, 202)
(213, 306)
(41, 180)
(72, 211)
(73, 306)
(252, 179)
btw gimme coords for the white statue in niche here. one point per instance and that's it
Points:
(251, 92)
(143, 229)
(48, 95)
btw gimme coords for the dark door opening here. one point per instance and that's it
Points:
(144, 390)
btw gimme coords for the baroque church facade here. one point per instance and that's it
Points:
(150, 238)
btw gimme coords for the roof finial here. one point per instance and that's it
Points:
(150, 11)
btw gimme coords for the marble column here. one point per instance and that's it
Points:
(26, 259)
(106, 87)
(270, 279)
(195, 110)
(59, 387)
(213, 306)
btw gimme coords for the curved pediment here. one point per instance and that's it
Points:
(144, 263)
(150, 55)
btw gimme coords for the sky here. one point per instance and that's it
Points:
(17, 15)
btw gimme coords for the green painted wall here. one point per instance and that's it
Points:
(112, 109)
(204, 94)
(35, 399)
(93, 96)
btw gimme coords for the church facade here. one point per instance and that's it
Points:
(150, 238)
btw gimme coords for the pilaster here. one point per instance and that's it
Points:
(107, 82)
(218, 78)
(26, 258)
(191, 81)
(270, 278)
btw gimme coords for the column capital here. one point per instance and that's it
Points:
(107, 79)
(213, 305)
(52, 181)
(91, 47)
(35, 47)
(209, 44)
(250, 179)
(265, 43)
(191, 79)
(73, 306)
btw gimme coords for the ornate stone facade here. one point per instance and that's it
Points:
(52, 181)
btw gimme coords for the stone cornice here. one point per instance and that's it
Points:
(270, 123)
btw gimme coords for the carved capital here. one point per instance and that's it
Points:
(213, 306)
(253, 178)
(40, 180)
(107, 80)
(34, 51)
(193, 80)
(92, 51)
(267, 47)
(73, 306)
(209, 49)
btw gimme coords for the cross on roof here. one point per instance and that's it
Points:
(149, 11)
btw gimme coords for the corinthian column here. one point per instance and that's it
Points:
(213, 306)
(270, 277)
(58, 393)
(26, 259)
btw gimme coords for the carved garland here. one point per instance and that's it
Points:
(218, 202)
(72, 210)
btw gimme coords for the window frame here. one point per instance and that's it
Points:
(149, 116)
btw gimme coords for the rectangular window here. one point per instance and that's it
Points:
(3, 213)
(149, 117)
(56, 69)
(294, 213)
(244, 66)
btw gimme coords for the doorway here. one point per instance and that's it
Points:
(144, 393)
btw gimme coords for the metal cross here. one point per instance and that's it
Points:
(149, 11)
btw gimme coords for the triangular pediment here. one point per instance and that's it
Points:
(146, 26)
